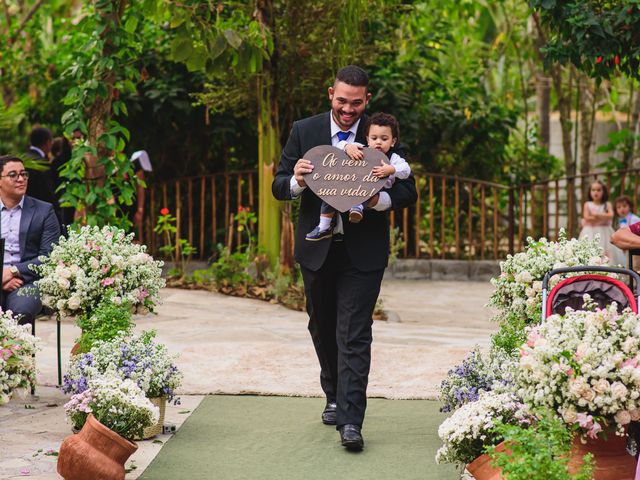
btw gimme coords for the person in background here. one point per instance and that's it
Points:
(29, 228)
(61, 151)
(623, 210)
(141, 164)
(41, 183)
(625, 219)
(597, 218)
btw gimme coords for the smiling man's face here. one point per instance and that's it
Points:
(347, 103)
(13, 183)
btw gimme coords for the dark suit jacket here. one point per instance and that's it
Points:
(39, 230)
(367, 242)
(42, 184)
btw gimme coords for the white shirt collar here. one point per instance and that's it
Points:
(38, 150)
(335, 128)
(20, 204)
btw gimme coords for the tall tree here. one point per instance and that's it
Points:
(272, 57)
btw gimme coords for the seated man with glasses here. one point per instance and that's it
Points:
(29, 228)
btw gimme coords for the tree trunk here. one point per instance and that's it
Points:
(543, 93)
(99, 113)
(268, 148)
(635, 128)
(587, 121)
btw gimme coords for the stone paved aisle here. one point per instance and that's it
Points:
(233, 345)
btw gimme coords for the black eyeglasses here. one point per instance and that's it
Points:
(14, 175)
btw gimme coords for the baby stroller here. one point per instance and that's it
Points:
(603, 290)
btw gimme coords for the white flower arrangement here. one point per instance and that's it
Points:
(118, 404)
(467, 432)
(518, 289)
(584, 365)
(94, 264)
(17, 347)
(136, 357)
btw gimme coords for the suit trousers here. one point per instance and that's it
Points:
(27, 306)
(340, 304)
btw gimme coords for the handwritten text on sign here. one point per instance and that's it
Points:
(341, 181)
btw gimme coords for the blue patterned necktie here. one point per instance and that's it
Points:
(342, 136)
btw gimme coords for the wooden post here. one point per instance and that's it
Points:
(511, 213)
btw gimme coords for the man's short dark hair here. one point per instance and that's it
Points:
(383, 120)
(39, 136)
(4, 159)
(353, 75)
(623, 199)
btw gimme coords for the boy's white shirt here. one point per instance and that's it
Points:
(403, 170)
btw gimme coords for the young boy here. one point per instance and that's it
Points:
(623, 211)
(382, 132)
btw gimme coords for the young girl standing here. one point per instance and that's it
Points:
(597, 218)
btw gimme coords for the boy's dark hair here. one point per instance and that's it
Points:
(39, 136)
(4, 159)
(605, 192)
(623, 199)
(353, 75)
(383, 120)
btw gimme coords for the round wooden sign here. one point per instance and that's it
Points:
(341, 181)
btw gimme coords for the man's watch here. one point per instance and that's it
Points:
(14, 271)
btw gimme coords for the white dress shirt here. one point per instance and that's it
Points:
(10, 227)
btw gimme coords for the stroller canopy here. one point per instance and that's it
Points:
(602, 289)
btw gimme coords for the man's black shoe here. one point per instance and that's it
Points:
(351, 437)
(329, 414)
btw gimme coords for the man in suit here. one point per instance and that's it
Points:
(29, 228)
(42, 182)
(342, 274)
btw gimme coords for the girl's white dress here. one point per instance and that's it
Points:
(604, 231)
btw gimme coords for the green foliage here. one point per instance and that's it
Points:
(437, 83)
(598, 37)
(530, 162)
(396, 244)
(179, 250)
(622, 144)
(538, 452)
(213, 39)
(104, 323)
(510, 336)
(231, 268)
(246, 220)
(102, 68)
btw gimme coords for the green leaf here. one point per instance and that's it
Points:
(218, 47)
(181, 49)
(131, 24)
(233, 38)
(198, 60)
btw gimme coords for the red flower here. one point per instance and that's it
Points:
(164, 211)
(599, 59)
(616, 60)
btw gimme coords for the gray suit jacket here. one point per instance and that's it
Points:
(39, 230)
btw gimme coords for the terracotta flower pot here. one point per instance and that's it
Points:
(75, 349)
(96, 453)
(612, 462)
(481, 467)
